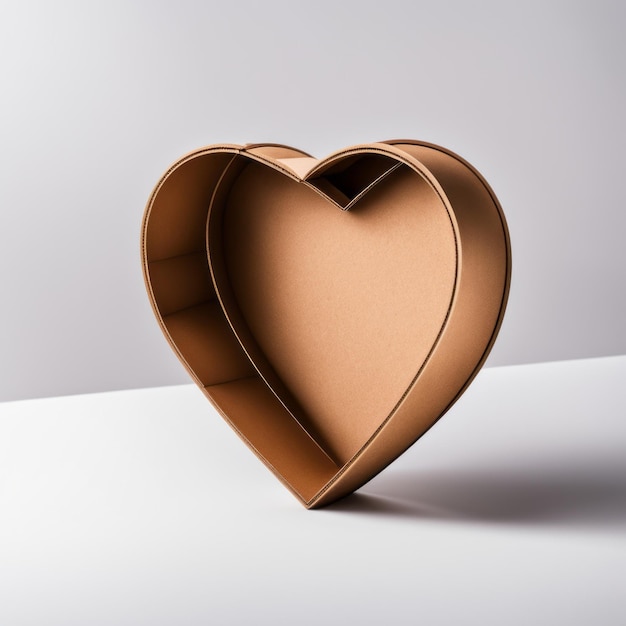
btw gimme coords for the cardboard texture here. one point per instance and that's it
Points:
(332, 310)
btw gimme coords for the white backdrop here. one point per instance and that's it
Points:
(99, 98)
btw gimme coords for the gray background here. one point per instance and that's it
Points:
(99, 98)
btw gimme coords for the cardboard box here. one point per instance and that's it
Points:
(332, 310)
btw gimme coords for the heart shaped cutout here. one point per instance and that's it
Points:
(331, 310)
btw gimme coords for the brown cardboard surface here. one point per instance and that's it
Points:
(332, 310)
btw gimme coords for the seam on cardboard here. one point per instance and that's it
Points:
(178, 256)
(232, 380)
(197, 305)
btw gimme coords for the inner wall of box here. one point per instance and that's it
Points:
(187, 305)
(338, 309)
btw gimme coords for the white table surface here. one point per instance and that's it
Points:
(142, 507)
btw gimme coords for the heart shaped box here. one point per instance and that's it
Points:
(332, 310)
